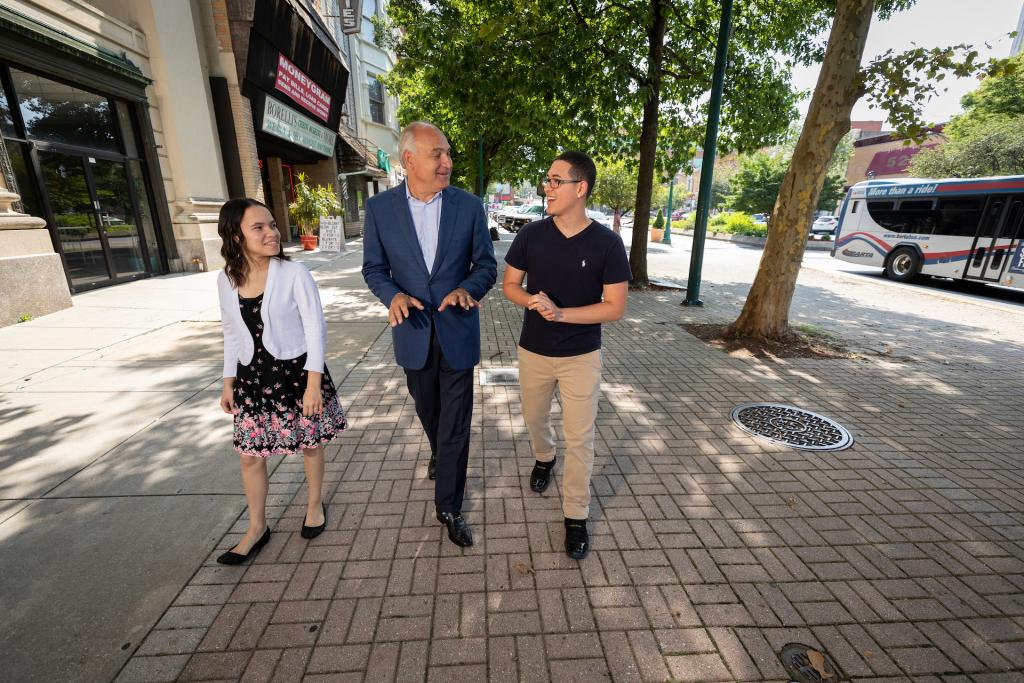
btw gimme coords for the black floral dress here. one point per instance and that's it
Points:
(268, 394)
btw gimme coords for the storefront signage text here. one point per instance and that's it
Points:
(286, 123)
(351, 16)
(294, 83)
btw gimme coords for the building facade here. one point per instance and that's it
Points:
(126, 124)
(886, 155)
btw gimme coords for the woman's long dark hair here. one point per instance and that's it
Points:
(229, 226)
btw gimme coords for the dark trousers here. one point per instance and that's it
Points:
(444, 404)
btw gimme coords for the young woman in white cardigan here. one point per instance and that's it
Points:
(275, 381)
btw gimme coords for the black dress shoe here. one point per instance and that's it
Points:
(314, 531)
(432, 468)
(577, 541)
(237, 558)
(541, 475)
(458, 531)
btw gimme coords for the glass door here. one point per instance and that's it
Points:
(75, 220)
(117, 216)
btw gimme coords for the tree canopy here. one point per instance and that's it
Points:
(627, 78)
(990, 147)
(1000, 97)
(616, 185)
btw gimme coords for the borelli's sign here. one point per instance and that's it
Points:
(293, 82)
(286, 123)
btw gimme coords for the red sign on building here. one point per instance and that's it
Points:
(294, 83)
(894, 161)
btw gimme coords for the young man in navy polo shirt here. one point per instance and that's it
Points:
(577, 277)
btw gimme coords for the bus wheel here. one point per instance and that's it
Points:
(903, 265)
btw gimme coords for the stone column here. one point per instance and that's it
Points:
(279, 202)
(31, 273)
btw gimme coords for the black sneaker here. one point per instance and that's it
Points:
(577, 541)
(541, 475)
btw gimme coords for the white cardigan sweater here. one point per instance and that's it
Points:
(293, 319)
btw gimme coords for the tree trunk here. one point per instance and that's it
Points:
(648, 146)
(766, 311)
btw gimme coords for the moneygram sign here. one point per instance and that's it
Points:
(294, 83)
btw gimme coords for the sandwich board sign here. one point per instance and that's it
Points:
(331, 236)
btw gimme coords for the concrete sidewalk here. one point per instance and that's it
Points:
(116, 468)
(902, 557)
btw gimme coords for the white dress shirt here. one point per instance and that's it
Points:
(426, 218)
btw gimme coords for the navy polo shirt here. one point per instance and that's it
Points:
(572, 272)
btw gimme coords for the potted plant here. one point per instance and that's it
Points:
(658, 231)
(312, 202)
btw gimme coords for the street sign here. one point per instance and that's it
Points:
(331, 236)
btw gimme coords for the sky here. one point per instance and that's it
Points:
(933, 23)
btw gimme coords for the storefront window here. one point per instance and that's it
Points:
(60, 113)
(145, 215)
(18, 153)
(6, 118)
(124, 117)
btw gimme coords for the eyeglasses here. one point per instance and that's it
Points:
(557, 182)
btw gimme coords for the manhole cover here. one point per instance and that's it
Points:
(806, 664)
(791, 426)
(499, 376)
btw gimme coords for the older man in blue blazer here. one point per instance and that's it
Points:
(427, 256)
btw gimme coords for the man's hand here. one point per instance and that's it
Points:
(398, 311)
(543, 304)
(458, 297)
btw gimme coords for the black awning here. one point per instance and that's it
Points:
(290, 29)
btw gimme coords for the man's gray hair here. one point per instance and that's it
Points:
(407, 141)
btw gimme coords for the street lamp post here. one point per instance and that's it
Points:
(667, 238)
(700, 228)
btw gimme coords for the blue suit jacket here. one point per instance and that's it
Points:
(393, 263)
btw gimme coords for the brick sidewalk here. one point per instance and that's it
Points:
(902, 557)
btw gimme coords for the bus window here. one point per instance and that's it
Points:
(991, 218)
(959, 216)
(884, 214)
(1013, 221)
(853, 209)
(919, 216)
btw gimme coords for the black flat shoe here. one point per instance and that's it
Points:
(458, 530)
(577, 541)
(237, 558)
(314, 531)
(541, 475)
(432, 468)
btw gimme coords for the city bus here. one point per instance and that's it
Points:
(966, 229)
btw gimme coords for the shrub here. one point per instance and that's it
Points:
(739, 223)
(687, 223)
(718, 219)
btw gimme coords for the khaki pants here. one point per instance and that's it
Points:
(578, 379)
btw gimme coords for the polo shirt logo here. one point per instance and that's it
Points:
(583, 264)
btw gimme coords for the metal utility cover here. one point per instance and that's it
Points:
(796, 659)
(499, 377)
(791, 426)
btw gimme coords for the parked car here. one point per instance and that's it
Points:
(825, 225)
(759, 218)
(599, 216)
(514, 217)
